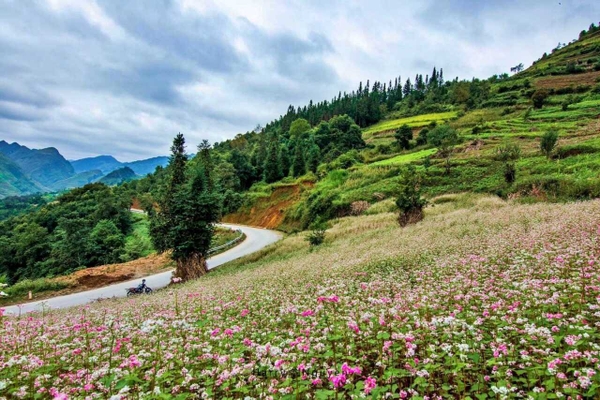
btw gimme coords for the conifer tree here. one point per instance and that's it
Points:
(272, 168)
(298, 165)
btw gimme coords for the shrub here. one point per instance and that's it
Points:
(422, 138)
(403, 136)
(410, 202)
(444, 138)
(539, 98)
(548, 142)
(527, 114)
(508, 154)
(34, 286)
(359, 207)
(316, 236)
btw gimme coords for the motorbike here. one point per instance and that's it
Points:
(134, 290)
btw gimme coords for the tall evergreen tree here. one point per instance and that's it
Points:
(185, 216)
(196, 213)
(298, 165)
(272, 168)
(204, 154)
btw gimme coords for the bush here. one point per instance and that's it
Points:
(410, 202)
(403, 136)
(539, 98)
(317, 235)
(422, 138)
(548, 142)
(25, 286)
(359, 207)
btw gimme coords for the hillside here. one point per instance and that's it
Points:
(105, 164)
(78, 180)
(45, 166)
(147, 166)
(487, 115)
(25, 171)
(13, 181)
(118, 176)
(489, 290)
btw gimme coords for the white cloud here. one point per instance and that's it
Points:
(113, 77)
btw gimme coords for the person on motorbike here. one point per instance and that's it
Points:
(141, 286)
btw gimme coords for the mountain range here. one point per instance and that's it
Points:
(26, 171)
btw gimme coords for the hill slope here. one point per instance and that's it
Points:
(105, 164)
(482, 297)
(147, 166)
(45, 166)
(118, 176)
(13, 181)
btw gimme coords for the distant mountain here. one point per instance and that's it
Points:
(145, 167)
(45, 166)
(13, 181)
(81, 179)
(118, 176)
(105, 164)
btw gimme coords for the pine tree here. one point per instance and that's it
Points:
(162, 220)
(196, 214)
(284, 160)
(313, 158)
(204, 154)
(185, 216)
(298, 165)
(272, 168)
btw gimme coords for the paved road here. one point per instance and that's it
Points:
(256, 239)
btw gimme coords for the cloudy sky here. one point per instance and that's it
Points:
(123, 77)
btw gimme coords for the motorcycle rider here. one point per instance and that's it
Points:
(141, 286)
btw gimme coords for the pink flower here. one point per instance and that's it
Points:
(349, 370)
(354, 327)
(247, 342)
(370, 384)
(338, 380)
(302, 367)
(316, 382)
(88, 386)
(215, 332)
(308, 313)
(228, 332)
(133, 361)
(244, 312)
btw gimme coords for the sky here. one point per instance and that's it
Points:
(124, 77)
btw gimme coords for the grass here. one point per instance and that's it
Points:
(413, 122)
(406, 158)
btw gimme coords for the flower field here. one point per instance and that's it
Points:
(484, 300)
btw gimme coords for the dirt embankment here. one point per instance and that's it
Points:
(269, 211)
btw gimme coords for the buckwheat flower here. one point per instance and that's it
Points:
(316, 382)
(308, 313)
(370, 384)
(338, 380)
(244, 312)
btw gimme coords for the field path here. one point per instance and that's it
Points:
(256, 239)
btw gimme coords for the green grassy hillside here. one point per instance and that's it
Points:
(486, 114)
(13, 181)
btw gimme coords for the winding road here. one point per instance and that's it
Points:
(256, 239)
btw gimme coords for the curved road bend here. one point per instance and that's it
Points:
(256, 239)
